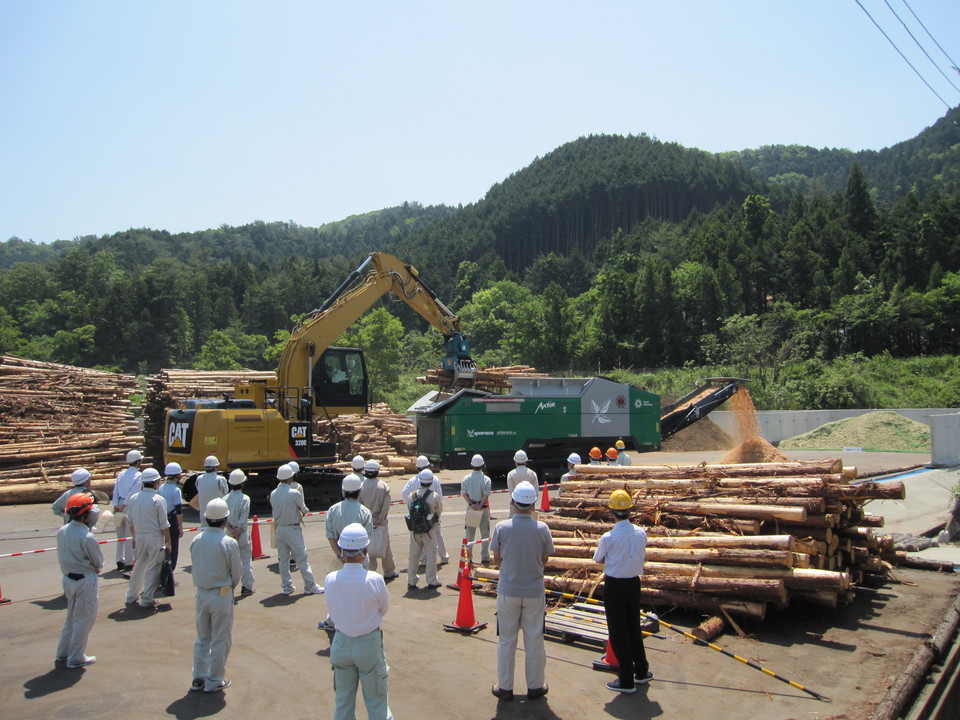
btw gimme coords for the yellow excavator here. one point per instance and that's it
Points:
(264, 426)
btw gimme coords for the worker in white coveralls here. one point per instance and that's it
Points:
(475, 489)
(358, 600)
(216, 572)
(170, 491)
(521, 473)
(422, 541)
(413, 484)
(375, 496)
(81, 484)
(80, 563)
(210, 485)
(288, 511)
(150, 529)
(346, 512)
(127, 485)
(573, 459)
(521, 546)
(238, 527)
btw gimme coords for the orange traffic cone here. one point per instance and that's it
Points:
(4, 600)
(464, 555)
(545, 500)
(609, 662)
(257, 550)
(466, 621)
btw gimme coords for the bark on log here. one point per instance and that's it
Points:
(793, 579)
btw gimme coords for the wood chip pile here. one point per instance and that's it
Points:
(491, 379)
(57, 418)
(168, 388)
(727, 538)
(381, 434)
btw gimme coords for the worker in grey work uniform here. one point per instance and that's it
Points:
(81, 484)
(150, 528)
(288, 511)
(216, 571)
(521, 473)
(375, 496)
(80, 563)
(475, 489)
(238, 527)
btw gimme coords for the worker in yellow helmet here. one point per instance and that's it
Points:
(622, 457)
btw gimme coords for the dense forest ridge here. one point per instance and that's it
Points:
(609, 252)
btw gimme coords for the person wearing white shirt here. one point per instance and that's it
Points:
(412, 486)
(127, 485)
(150, 529)
(521, 473)
(622, 551)
(357, 600)
(238, 527)
(288, 511)
(210, 485)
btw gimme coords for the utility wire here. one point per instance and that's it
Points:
(953, 62)
(949, 107)
(921, 46)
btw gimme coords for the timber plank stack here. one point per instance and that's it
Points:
(727, 538)
(381, 434)
(491, 379)
(57, 418)
(168, 388)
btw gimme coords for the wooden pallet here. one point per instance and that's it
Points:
(586, 623)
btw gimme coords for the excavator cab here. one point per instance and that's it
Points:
(339, 382)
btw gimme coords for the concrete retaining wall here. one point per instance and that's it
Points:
(945, 439)
(777, 425)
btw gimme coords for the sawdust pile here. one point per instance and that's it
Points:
(752, 447)
(702, 435)
(882, 430)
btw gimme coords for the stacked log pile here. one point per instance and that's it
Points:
(732, 538)
(381, 434)
(168, 388)
(491, 379)
(57, 418)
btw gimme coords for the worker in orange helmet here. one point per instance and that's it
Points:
(596, 455)
(611, 456)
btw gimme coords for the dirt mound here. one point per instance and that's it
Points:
(754, 450)
(883, 430)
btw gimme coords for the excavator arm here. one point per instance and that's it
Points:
(379, 274)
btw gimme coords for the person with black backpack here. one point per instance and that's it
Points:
(423, 511)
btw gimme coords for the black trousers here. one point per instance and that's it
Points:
(621, 603)
(174, 521)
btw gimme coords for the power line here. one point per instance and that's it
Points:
(921, 46)
(949, 107)
(953, 62)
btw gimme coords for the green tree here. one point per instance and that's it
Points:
(380, 335)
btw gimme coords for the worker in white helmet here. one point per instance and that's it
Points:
(375, 496)
(238, 527)
(295, 466)
(357, 464)
(573, 459)
(288, 511)
(170, 492)
(413, 484)
(423, 511)
(128, 483)
(210, 485)
(150, 530)
(216, 571)
(81, 561)
(81, 481)
(475, 489)
(521, 473)
(358, 599)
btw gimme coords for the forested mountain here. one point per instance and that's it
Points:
(608, 252)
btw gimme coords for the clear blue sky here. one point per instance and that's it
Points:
(188, 115)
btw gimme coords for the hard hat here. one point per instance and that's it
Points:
(211, 462)
(595, 453)
(353, 537)
(216, 509)
(519, 456)
(351, 483)
(371, 466)
(422, 462)
(476, 461)
(620, 500)
(173, 469)
(357, 463)
(236, 477)
(574, 459)
(80, 476)
(284, 472)
(150, 475)
(425, 476)
(134, 456)
(524, 494)
(295, 466)
(619, 445)
(612, 453)
(79, 503)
